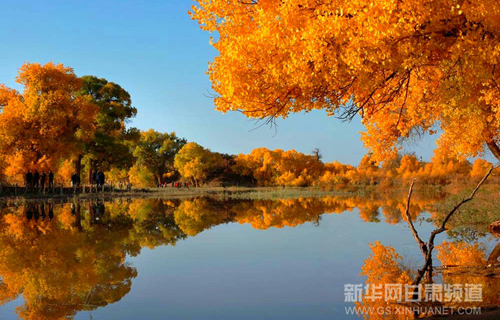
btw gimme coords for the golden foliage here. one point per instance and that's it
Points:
(195, 162)
(461, 253)
(63, 176)
(479, 168)
(405, 67)
(46, 122)
(141, 177)
(382, 267)
(278, 167)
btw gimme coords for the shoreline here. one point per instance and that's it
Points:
(224, 192)
(230, 192)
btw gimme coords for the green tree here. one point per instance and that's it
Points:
(156, 151)
(110, 147)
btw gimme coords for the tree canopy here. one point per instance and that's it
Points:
(406, 67)
(108, 147)
(194, 162)
(156, 151)
(48, 121)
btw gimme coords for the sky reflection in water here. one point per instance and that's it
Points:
(196, 258)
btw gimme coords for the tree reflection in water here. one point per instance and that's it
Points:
(63, 258)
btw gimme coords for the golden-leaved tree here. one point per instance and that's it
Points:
(45, 123)
(290, 168)
(405, 67)
(195, 162)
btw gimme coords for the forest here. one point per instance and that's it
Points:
(70, 124)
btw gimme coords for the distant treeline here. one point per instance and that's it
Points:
(77, 125)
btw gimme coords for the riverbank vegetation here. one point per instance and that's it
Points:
(65, 123)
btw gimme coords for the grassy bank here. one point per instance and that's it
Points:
(219, 192)
(231, 192)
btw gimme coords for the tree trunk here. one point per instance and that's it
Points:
(78, 218)
(89, 174)
(494, 149)
(77, 163)
(493, 258)
(92, 165)
(160, 177)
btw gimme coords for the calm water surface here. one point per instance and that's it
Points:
(195, 258)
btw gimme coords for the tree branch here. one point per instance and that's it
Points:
(494, 149)
(423, 246)
(427, 248)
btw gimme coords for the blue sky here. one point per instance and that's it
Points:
(159, 55)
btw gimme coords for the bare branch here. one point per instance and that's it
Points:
(422, 244)
(427, 248)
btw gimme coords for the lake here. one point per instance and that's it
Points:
(200, 258)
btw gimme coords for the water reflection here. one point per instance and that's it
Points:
(465, 280)
(59, 264)
(63, 258)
